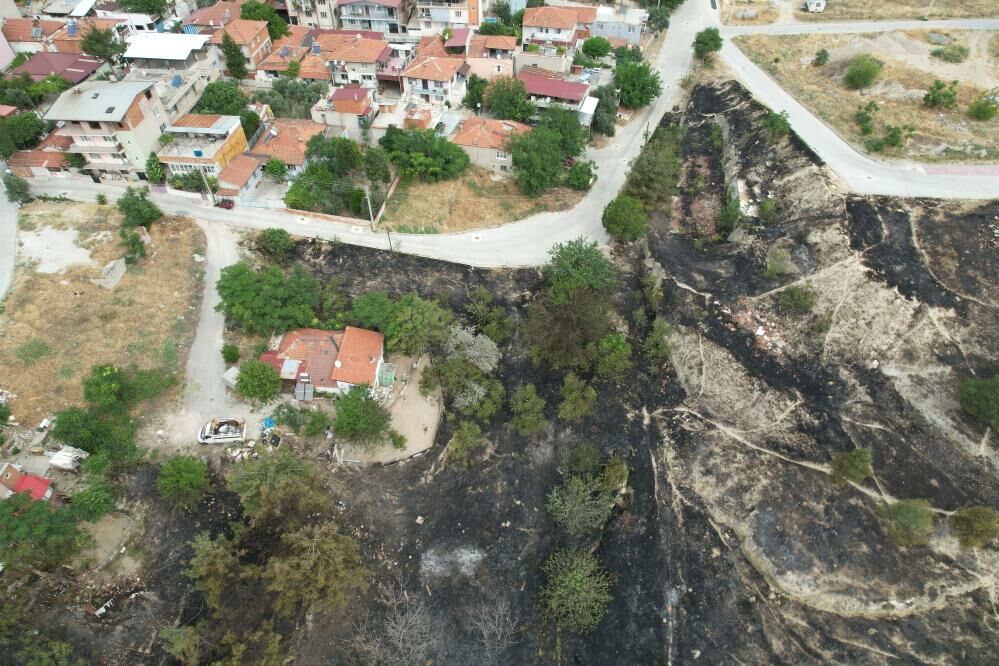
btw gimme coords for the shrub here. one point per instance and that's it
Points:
(614, 474)
(577, 591)
(954, 53)
(778, 263)
(528, 411)
(613, 357)
(908, 522)
(729, 216)
(766, 212)
(491, 320)
(138, 210)
(317, 423)
(864, 117)
(580, 505)
(777, 126)
(706, 43)
(423, 154)
(624, 218)
(985, 107)
(93, 502)
(583, 460)
(657, 345)
(183, 481)
(230, 353)
(258, 381)
(578, 398)
(276, 169)
(33, 351)
(275, 242)
(821, 57)
(359, 418)
(852, 466)
(102, 199)
(941, 95)
(467, 439)
(578, 264)
(862, 71)
(17, 189)
(596, 47)
(796, 300)
(976, 526)
(580, 175)
(267, 301)
(980, 398)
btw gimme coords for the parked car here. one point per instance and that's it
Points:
(222, 431)
(225, 203)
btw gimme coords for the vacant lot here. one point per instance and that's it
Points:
(909, 70)
(839, 10)
(475, 200)
(750, 12)
(57, 324)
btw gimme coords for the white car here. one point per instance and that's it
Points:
(222, 431)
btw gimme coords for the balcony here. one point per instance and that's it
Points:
(450, 4)
(95, 148)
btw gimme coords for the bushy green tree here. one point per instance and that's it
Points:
(821, 58)
(658, 18)
(183, 481)
(706, 43)
(580, 175)
(493, 321)
(853, 465)
(292, 98)
(941, 95)
(777, 126)
(578, 264)
(267, 301)
(656, 171)
(359, 418)
(506, 98)
(612, 357)
(605, 115)
(255, 480)
(596, 47)
(985, 107)
(36, 535)
(528, 411)
(475, 89)
(537, 160)
(275, 242)
(577, 591)
(424, 154)
(373, 310)
(235, 61)
(214, 567)
(624, 218)
(94, 501)
(467, 439)
(580, 505)
(250, 122)
(19, 131)
(908, 522)
(341, 155)
(260, 11)
(376, 165)
(138, 210)
(565, 123)
(103, 44)
(258, 381)
(276, 169)
(626, 54)
(578, 398)
(223, 98)
(230, 353)
(862, 71)
(637, 83)
(155, 173)
(797, 300)
(980, 398)
(976, 526)
(657, 343)
(17, 189)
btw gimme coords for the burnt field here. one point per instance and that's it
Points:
(735, 545)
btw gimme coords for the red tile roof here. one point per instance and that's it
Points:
(242, 31)
(329, 357)
(70, 66)
(542, 83)
(351, 48)
(7, 110)
(49, 159)
(433, 68)
(353, 99)
(560, 18)
(357, 362)
(216, 14)
(237, 173)
(478, 132)
(19, 29)
(459, 39)
(286, 139)
(35, 485)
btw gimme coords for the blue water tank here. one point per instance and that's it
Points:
(198, 152)
(176, 81)
(71, 28)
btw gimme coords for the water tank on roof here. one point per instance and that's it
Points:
(71, 28)
(198, 152)
(315, 48)
(284, 51)
(176, 81)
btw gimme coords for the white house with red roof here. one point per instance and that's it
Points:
(13, 479)
(550, 89)
(330, 361)
(350, 108)
(389, 17)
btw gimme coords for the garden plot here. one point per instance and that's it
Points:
(910, 69)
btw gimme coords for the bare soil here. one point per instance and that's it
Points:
(858, 10)
(62, 324)
(475, 200)
(941, 134)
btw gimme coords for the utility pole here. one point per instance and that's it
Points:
(371, 215)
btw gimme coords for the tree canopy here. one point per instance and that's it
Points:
(706, 43)
(102, 43)
(267, 301)
(36, 534)
(638, 84)
(292, 98)
(578, 264)
(260, 11)
(596, 47)
(506, 98)
(537, 160)
(474, 91)
(359, 418)
(183, 481)
(235, 61)
(19, 131)
(223, 98)
(577, 591)
(138, 210)
(424, 154)
(624, 218)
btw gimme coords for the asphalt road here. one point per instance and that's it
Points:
(809, 28)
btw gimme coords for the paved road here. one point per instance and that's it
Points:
(802, 28)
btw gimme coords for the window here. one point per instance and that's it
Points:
(368, 77)
(94, 125)
(322, 14)
(149, 95)
(500, 155)
(459, 14)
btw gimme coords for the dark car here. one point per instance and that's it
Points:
(225, 203)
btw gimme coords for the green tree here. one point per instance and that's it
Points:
(580, 176)
(235, 61)
(250, 122)
(183, 481)
(292, 98)
(797, 300)
(528, 411)
(376, 165)
(138, 210)
(417, 324)
(493, 321)
(475, 88)
(656, 171)
(183, 644)
(658, 18)
(103, 44)
(506, 98)
(614, 475)
(976, 526)
(612, 357)
(559, 330)
(583, 460)
(578, 398)
(657, 343)
(154, 170)
(36, 535)
(572, 135)
(359, 418)
(254, 480)
(467, 438)
(259, 11)
(275, 242)
(626, 54)
(223, 98)
(596, 47)
(258, 381)
(624, 218)
(980, 398)
(17, 189)
(267, 301)
(637, 83)
(424, 154)
(501, 10)
(537, 160)
(853, 465)
(276, 169)
(103, 388)
(706, 43)
(821, 58)
(985, 107)
(94, 501)
(152, 7)
(578, 264)
(908, 522)
(605, 115)
(580, 505)
(318, 565)
(941, 95)
(230, 353)
(373, 310)
(341, 155)
(21, 130)
(862, 71)
(214, 567)
(777, 126)
(577, 591)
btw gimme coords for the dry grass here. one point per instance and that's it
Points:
(941, 135)
(473, 201)
(730, 10)
(840, 10)
(145, 321)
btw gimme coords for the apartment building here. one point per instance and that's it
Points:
(628, 26)
(389, 17)
(550, 26)
(180, 66)
(353, 60)
(214, 16)
(436, 80)
(435, 15)
(251, 36)
(201, 142)
(114, 125)
(351, 109)
(313, 13)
